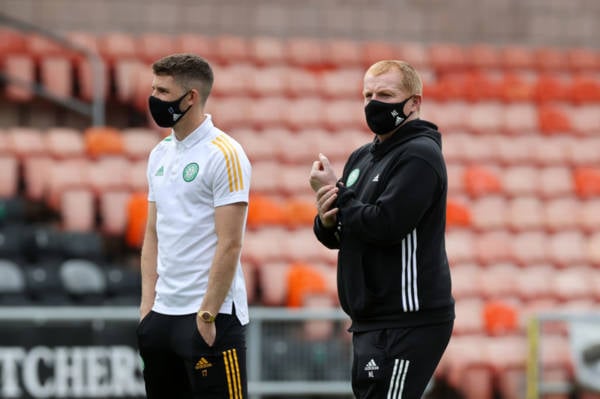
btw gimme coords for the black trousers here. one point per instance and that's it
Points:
(179, 364)
(397, 363)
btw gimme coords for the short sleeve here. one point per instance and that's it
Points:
(231, 172)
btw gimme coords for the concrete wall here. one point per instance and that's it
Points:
(534, 22)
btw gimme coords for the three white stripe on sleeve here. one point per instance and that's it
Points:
(410, 296)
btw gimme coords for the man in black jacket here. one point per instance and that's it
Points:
(387, 217)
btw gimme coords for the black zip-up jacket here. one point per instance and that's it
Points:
(392, 265)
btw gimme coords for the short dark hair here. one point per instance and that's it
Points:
(188, 70)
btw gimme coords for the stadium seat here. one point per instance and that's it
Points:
(520, 118)
(65, 174)
(553, 119)
(458, 214)
(12, 284)
(265, 210)
(268, 112)
(12, 41)
(516, 57)
(137, 214)
(233, 80)
(64, 142)
(555, 181)
(593, 256)
(302, 280)
(318, 330)
(485, 118)
(231, 49)
(9, 180)
(550, 88)
(112, 209)
(84, 281)
(525, 213)
(123, 285)
(222, 114)
(108, 173)
(562, 214)
(500, 317)
(530, 247)
(305, 52)
(273, 280)
(299, 212)
(83, 43)
(114, 46)
(25, 142)
(36, 171)
(489, 212)
(377, 50)
(468, 369)
(573, 283)
(77, 209)
(416, 54)
(268, 81)
(550, 151)
(199, 44)
(93, 79)
(469, 316)
(445, 57)
(266, 50)
(497, 281)
(301, 83)
(585, 89)
(585, 120)
(482, 56)
(151, 46)
(259, 248)
(138, 142)
(21, 68)
(516, 87)
(483, 86)
(550, 59)
(567, 248)
(479, 180)
(103, 140)
(580, 59)
(463, 276)
(492, 247)
(586, 181)
(460, 246)
(136, 176)
(125, 72)
(588, 219)
(56, 75)
(341, 115)
(343, 83)
(306, 113)
(534, 282)
(343, 53)
(520, 180)
(44, 284)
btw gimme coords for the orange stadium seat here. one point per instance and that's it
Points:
(479, 180)
(501, 317)
(302, 280)
(64, 142)
(103, 140)
(516, 87)
(265, 210)
(551, 88)
(267, 50)
(482, 86)
(587, 181)
(77, 209)
(299, 212)
(458, 214)
(20, 67)
(585, 89)
(137, 214)
(553, 119)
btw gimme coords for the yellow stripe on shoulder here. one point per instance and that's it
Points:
(234, 169)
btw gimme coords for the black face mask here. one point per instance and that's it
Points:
(166, 113)
(383, 118)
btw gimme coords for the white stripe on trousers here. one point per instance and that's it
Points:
(397, 381)
(410, 296)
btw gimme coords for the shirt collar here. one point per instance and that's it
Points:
(197, 135)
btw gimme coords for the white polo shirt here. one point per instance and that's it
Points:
(187, 179)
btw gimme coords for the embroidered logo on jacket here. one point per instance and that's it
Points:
(352, 177)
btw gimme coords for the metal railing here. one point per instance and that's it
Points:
(95, 110)
(281, 360)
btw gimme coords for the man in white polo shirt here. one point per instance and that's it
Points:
(194, 304)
